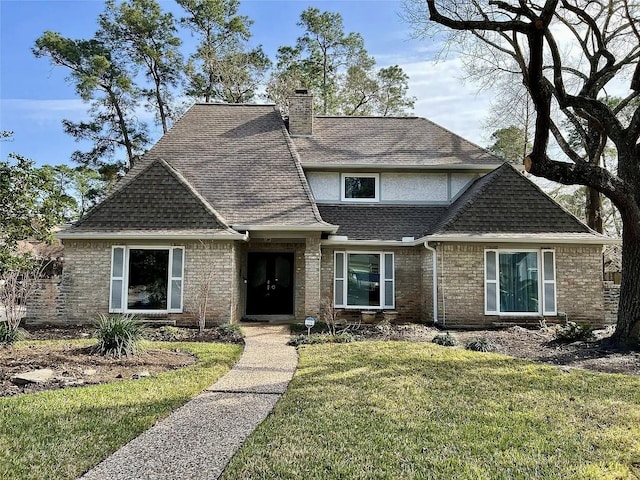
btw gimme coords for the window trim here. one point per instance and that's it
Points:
(124, 308)
(343, 187)
(383, 279)
(540, 266)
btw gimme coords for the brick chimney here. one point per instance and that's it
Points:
(301, 113)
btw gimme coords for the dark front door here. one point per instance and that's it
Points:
(270, 283)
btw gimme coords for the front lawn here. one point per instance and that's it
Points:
(414, 410)
(62, 433)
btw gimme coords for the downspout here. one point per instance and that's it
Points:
(434, 258)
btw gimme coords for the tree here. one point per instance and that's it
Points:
(382, 93)
(138, 31)
(337, 68)
(102, 80)
(80, 189)
(510, 143)
(31, 204)
(223, 67)
(607, 41)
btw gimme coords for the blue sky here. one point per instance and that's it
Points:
(35, 97)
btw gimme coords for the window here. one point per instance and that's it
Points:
(364, 280)
(520, 282)
(361, 187)
(146, 279)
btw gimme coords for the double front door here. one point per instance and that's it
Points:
(270, 283)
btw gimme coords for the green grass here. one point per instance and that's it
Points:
(397, 410)
(61, 434)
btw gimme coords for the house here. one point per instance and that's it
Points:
(282, 219)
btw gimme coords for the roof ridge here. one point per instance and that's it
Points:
(180, 178)
(549, 197)
(120, 185)
(466, 203)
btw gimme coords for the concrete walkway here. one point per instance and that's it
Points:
(198, 439)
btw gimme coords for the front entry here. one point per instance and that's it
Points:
(270, 283)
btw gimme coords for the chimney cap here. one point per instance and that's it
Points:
(301, 91)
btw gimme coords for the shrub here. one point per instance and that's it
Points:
(118, 335)
(481, 345)
(9, 335)
(445, 339)
(572, 332)
(315, 338)
(229, 332)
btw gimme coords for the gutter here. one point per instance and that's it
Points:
(288, 228)
(152, 236)
(434, 257)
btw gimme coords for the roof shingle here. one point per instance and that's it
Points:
(154, 199)
(398, 141)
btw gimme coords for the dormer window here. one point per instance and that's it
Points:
(361, 187)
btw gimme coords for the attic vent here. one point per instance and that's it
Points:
(302, 91)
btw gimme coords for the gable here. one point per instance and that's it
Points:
(154, 199)
(504, 201)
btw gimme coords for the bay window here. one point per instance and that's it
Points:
(520, 282)
(364, 280)
(146, 279)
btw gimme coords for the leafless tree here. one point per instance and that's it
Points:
(567, 53)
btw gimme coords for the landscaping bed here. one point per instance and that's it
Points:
(538, 345)
(62, 357)
(73, 365)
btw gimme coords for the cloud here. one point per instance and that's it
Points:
(445, 99)
(44, 113)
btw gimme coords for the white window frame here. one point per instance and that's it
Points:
(383, 280)
(343, 187)
(549, 282)
(125, 279)
(541, 282)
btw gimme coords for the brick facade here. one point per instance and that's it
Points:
(83, 289)
(82, 292)
(408, 286)
(579, 285)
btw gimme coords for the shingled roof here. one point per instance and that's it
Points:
(504, 201)
(382, 222)
(397, 141)
(240, 159)
(155, 199)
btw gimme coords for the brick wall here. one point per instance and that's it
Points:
(611, 301)
(301, 114)
(461, 282)
(408, 282)
(82, 292)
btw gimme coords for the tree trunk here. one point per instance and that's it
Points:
(627, 332)
(593, 209)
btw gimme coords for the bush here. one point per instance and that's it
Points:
(445, 339)
(9, 335)
(229, 332)
(572, 332)
(316, 338)
(118, 335)
(481, 345)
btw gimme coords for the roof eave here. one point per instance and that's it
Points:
(288, 228)
(368, 243)
(559, 238)
(151, 236)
